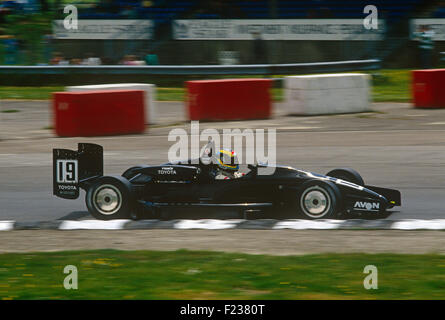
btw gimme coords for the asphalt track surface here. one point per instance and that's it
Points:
(396, 147)
(271, 242)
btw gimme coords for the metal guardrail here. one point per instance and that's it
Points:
(252, 69)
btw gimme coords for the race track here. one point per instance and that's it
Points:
(397, 147)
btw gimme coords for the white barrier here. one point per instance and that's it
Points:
(150, 92)
(327, 94)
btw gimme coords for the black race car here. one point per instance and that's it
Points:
(146, 191)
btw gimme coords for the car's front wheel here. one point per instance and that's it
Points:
(318, 200)
(110, 198)
(347, 174)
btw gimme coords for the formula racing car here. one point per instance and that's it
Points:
(145, 191)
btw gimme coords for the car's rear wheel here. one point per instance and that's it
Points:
(131, 172)
(318, 200)
(110, 198)
(347, 174)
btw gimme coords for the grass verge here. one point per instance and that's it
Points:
(391, 86)
(28, 93)
(388, 85)
(111, 274)
(45, 93)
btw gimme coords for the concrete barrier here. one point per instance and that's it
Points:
(229, 99)
(98, 113)
(427, 88)
(150, 92)
(327, 94)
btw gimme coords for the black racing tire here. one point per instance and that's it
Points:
(318, 199)
(347, 174)
(110, 197)
(129, 173)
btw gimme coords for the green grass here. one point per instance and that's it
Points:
(388, 85)
(45, 93)
(28, 93)
(178, 94)
(391, 85)
(170, 94)
(110, 274)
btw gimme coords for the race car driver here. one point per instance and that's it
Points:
(227, 165)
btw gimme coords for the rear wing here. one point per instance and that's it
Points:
(71, 169)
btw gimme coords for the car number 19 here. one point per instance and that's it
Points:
(67, 171)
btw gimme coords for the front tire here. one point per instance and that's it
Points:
(347, 174)
(319, 200)
(110, 197)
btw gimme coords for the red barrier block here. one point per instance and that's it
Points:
(97, 113)
(237, 99)
(428, 88)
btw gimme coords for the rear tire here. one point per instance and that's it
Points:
(110, 197)
(318, 200)
(130, 172)
(347, 174)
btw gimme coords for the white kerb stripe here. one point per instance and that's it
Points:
(298, 224)
(93, 224)
(211, 224)
(414, 224)
(6, 225)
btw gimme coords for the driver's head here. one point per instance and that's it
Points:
(227, 160)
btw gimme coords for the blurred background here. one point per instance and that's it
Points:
(187, 32)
